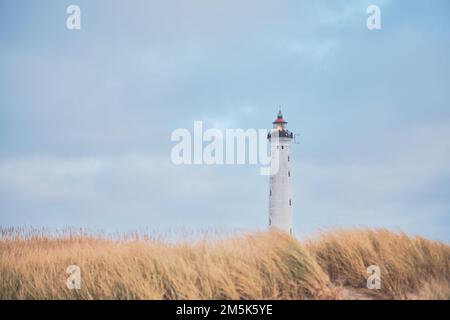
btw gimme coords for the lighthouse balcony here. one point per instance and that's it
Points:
(280, 134)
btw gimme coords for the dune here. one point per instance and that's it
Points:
(262, 265)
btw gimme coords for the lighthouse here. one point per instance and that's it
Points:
(280, 194)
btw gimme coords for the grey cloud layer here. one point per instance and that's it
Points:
(85, 118)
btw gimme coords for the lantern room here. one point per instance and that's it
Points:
(280, 124)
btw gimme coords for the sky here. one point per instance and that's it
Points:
(86, 115)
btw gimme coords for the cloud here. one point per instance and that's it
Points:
(399, 189)
(86, 118)
(124, 191)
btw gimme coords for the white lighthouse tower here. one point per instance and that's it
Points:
(280, 194)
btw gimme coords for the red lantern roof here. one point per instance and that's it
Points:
(280, 118)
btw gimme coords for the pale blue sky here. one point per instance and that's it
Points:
(86, 116)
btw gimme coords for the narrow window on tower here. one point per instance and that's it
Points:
(289, 158)
(270, 192)
(290, 202)
(270, 222)
(289, 173)
(290, 230)
(282, 147)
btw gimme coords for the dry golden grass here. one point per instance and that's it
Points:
(432, 290)
(407, 263)
(255, 266)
